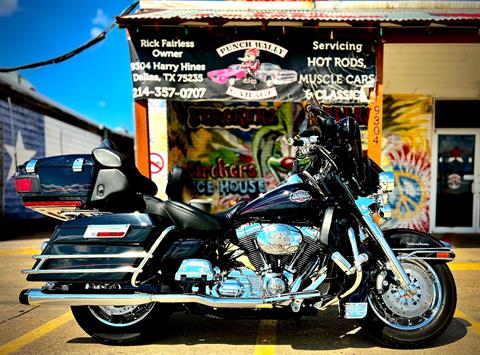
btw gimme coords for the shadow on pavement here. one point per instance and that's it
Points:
(324, 332)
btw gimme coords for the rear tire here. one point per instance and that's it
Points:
(108, 325)
(416, 337)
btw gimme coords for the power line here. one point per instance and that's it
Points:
(100, 37)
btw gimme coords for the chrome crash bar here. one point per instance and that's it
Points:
(122, 269)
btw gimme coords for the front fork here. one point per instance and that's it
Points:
(363, 204)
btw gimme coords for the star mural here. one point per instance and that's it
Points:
(23, 154)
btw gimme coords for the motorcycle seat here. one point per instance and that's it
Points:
(187, 217)
(226, 216)
(182, 215)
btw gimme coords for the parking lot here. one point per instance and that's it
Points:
(52, 330)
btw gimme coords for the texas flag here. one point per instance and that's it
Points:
(22, 138)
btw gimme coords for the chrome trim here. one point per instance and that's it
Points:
(139, 269)
(279, 239)
(363, 204)
(121, 269)
(195, 269)
(77, 165)
(326, 224)
(127, 255)
(353, 243)
(414, 255)
(425, 258)
(316, 283)
(358, 280)
(386, 181)
(377, 234)
(442, 249)
(341, 262)
(30, 167)
(93, 229)
(313, 182)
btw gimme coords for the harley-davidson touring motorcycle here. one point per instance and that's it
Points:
(125, 261)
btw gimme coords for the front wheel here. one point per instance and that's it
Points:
(122, 324)
(411, 319)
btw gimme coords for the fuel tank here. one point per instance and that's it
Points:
(293, 199)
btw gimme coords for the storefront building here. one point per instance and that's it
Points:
(219, 85)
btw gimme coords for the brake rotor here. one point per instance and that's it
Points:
(118, 310)
(415, 300)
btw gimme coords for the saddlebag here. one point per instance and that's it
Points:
(106, 248)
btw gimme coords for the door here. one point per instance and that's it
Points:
(456, 181)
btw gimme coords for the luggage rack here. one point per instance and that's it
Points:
(74, 214)
(122, 269)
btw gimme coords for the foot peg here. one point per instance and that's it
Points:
(345, 265)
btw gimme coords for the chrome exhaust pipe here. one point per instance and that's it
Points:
(37, 296)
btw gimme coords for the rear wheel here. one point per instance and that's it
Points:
(411, 319)
(122, 324)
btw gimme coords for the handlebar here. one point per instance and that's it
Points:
(301, 141)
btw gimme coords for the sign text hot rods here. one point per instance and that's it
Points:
(249, 64)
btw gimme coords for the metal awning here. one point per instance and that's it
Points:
(386, 15)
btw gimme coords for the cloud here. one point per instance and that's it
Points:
(8, 7)
(100, 22)
(101, 19)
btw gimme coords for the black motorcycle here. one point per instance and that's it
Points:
(125, 260)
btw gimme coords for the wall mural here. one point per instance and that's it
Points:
(235, 151)
(406, 150)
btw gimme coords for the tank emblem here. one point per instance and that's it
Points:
(300, 196)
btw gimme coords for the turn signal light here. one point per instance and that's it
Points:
(443, 254)
(23, 185)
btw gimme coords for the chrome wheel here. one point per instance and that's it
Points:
(121, 316)
(413, 307)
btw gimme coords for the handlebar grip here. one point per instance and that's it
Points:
(295, 142)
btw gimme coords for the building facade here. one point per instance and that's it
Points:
(421, 118)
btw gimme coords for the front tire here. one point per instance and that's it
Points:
(122, 324)
(394, 324)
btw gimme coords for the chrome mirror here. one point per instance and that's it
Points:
(386, 181)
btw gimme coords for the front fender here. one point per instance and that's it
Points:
(412, 244)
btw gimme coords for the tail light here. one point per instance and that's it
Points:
(23, 184)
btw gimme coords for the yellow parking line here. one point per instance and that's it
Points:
(19, 251)
(464, 266)
(266, 338)
(475, 326)
(35, 334)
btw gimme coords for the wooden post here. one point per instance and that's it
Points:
(142, 137)
(375, 118)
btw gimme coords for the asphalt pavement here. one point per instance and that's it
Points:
(52, 330)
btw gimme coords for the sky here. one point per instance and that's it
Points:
(97, 82)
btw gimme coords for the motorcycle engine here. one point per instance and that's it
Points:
(279, 253)
(278, 247)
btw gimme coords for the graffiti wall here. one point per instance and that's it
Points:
(233, 151)
(23, 138)
(407, 132)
